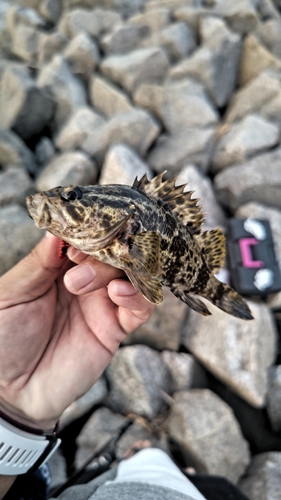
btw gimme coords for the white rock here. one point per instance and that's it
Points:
(122, 165)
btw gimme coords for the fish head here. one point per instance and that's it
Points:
(88, 218)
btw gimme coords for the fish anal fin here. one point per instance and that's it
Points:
(149, 287)
(213, 244)
(193, 302)
(145, 247)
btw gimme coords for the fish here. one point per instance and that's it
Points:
(151, 230)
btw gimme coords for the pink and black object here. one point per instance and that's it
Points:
(253, 266)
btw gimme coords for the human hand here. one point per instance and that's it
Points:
(56, 335)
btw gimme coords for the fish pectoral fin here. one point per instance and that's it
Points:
(213, 245)
(146, 285)
(145, 247)
(193, 302)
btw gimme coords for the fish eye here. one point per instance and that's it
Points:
(72, 195)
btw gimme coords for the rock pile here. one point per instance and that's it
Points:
(102, 91)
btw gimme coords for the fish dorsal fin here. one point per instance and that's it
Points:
(178, 200)
(145, 247)
(213, 244)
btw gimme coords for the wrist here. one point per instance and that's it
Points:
(23, 421)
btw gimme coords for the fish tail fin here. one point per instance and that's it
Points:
(227, 299)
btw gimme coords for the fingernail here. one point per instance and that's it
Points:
(123, 288)
(72, 252)
(79, 277)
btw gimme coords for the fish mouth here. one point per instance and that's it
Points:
(39, 210)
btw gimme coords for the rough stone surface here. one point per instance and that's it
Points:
(137, 378)
(51, 9)
(139, 430)
(95, 395)
(255, 58)
(178, 40)
(57, 469)
(123, 38)
(193, 145)
(179, 105)
(44, 151)
(240, 15)
(237, 352)
(156, 332)
(67, 169)
(21, 236)
(215, 63)
(48, 45)
(258, 95)
(209, 437)
(24, 107)
(269, 33)
(203, 189)
(80, 125)
(263, 480)
(258, 179)
(83, 55)
(25, 43)
(185, 372)
(107, 98)
(155, 19)
(244, 139)
(274, 397)
(13, 151)
(139, 66)
(67, 91)
(100, 427)
(136, 128)
(122, 165)
(15, 185)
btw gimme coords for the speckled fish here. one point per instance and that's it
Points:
(151, 230)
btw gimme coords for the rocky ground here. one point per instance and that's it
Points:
(102, 91)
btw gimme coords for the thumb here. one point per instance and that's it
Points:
(34, 274)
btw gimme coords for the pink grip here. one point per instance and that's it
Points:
(247, 258)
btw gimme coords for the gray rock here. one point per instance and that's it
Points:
(214, 64)
(255, 58)
(255, 96)
(93, 22)
(49, 44)
(57, 469)
(191, 16)
(263, 480)
(136, 128)
(274, 398)
(67, 91)
(51, 9)
(192, 145)
(67, 169)
(13, 151)
(269, 33)
(259, 211)
(25, 43)
(172, 4)
(178, 40)
(185, 372)
(208, 435)
(107, 98)
(83, 122)
(137, 378)
(94, 396)
(44, 150)
(123, 38)
(179, 104)
(24, 106)
(15, 185)
(20, 236)
(203, 189)
(17, 15)
(155, 19)
(258, 179)
(244, 139)
(121, 166)
(235, 351)
(139, 430)
(163, 329)
(100, 427)
(82, 53)
(139, 66)
(241, 15)
(268, 9)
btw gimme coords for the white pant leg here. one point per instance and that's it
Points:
(154, 466)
